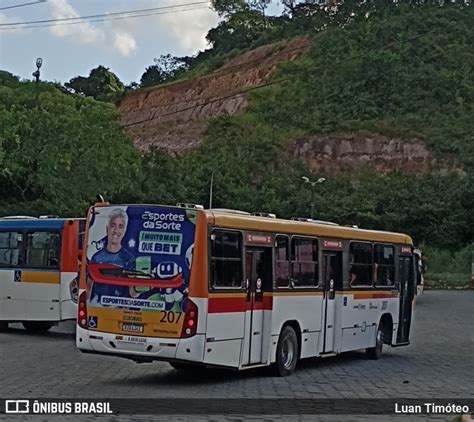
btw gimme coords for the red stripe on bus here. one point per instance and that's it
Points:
(262, 305)
(373, 295)
(238, 304)
(381, 295)
(217, 305)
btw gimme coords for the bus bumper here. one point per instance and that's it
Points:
(141, 348)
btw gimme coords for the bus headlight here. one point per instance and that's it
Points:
(74, 290)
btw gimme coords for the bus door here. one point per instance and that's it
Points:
(406, 290)
(332, 281)
(419, 270)
(258, 279)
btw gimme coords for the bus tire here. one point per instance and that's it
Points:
(287, 352)
(376, 351)
(3, 325)
(37, 326)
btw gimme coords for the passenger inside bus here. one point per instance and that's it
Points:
(352, 277)
(375, 273)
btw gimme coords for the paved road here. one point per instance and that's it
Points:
(439, 363)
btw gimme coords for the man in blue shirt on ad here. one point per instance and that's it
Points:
(114, 253)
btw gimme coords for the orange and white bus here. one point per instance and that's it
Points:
(230, 289)
(39, 264)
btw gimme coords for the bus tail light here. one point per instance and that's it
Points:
(190, 320)
(82, 310)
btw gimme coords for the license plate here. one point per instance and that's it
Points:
(130, 339)
(132, 328)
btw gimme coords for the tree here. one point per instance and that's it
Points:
(152, 76)
(132, 86)
(229, 7)
(57, 157)
(259, 5)
(240, 31)
(8, 79)
(101, 84)
(165, 69)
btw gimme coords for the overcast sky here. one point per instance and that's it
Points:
(125, 46)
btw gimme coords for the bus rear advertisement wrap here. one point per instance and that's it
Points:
(138, 269)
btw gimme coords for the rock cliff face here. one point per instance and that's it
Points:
(353, 153)
(173, 117)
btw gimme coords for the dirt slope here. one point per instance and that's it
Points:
(174, 117)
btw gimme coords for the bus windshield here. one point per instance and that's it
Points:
(141, 253)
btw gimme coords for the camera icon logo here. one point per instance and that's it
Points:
(17, 406)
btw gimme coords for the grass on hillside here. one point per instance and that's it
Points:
(447, 280)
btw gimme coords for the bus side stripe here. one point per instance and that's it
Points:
(49, 277)
(226, 304)
(218, 305)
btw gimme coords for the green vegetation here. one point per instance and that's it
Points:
(58, 152)
(447, 280)
(420, 86)
(101, 84)
(448, 268)
(457, 261)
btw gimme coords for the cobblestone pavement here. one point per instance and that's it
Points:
(438, 364)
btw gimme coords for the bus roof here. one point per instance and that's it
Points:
(278, 225)
(33, 223)
(231, 219)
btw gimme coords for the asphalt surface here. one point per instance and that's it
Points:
(438, 364)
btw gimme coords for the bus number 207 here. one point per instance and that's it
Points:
(170, 317)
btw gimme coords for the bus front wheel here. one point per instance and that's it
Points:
(376, 351)
(37, 326)
(287, 352)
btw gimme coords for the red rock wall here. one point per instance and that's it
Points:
(353, 153)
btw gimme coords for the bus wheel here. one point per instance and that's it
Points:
(37, 326)
(376, 352)
(287, 352)
(3, 325)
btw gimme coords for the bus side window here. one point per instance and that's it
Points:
(361, 271)
(282, 262)
(384, 265)
(304, 262)
(10, 249)
(226, 259)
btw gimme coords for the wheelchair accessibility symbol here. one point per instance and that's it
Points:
(17, 276)
(92, 322)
